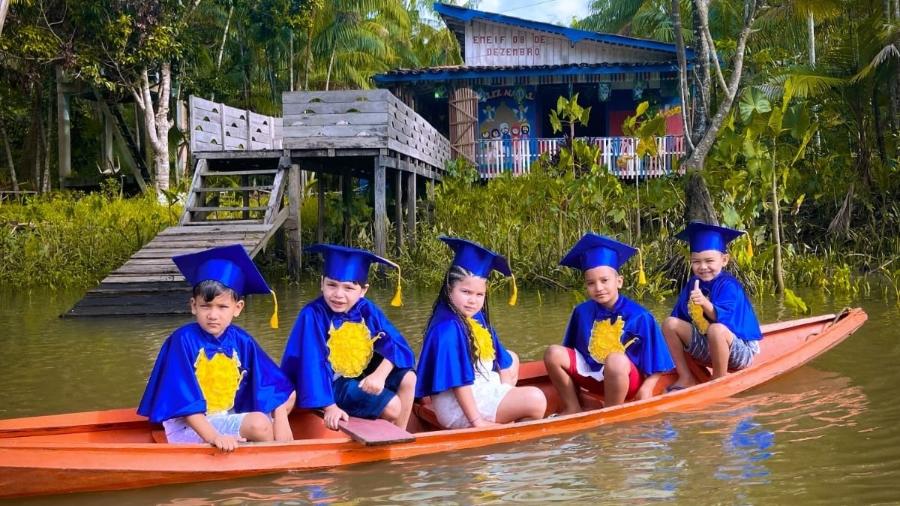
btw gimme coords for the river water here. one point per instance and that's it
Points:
(827, 433)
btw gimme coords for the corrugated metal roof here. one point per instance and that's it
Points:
(460, 72)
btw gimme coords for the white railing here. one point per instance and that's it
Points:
(498, 156)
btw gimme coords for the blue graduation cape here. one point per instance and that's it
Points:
(173, 390)
(649, 353)
(305, 358)
(733, 307)
(445, 361)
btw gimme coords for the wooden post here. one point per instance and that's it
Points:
(380, 208)
(245, 197)
(63, 128)
(320, 197)
(181, 156)
(398, 205)
(292, 224)
(106, 144)
(346, 201)
(411, 206)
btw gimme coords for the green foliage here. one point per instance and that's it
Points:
(646, 127)
(69, 239)
(568, 114)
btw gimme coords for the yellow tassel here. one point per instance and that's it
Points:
(642, 278)
(273, 322)
(397, 301)
(514, 296)
(749, 246)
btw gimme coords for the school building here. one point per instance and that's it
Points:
(495, 107)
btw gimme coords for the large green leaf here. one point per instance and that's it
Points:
(753, 101)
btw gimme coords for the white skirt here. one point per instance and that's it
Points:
(581, 365)
(488, 393)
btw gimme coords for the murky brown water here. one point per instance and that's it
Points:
(825, 434)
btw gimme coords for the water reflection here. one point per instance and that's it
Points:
(821, 434)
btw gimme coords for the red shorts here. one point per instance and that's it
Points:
(592, 385)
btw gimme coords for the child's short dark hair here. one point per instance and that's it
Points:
(210, 289)
(354, 281)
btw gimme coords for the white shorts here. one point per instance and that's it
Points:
(227, 424)
(488, 393)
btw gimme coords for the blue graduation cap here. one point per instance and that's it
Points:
(229, 265)
(704, 237)
(594, 250)
(480, 261)
(352, 264)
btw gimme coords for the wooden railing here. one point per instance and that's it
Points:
(360, 119)
(496, 157)
(219, 127)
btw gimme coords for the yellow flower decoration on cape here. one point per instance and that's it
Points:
(350, 348)
(699, 318)
(219, 378)
(606, 338)
(484, 341)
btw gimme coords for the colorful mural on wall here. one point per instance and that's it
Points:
(506, 123)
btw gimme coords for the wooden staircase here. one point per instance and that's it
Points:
(228, 203)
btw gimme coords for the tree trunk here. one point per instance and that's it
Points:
(9, 157)
(811, 33)
(4, 8)
(157, 122)
(681, 54)
(224, 38)
(697, 158)
(330, 66)
(291, 59)
(876, 118)
(698, 204)
(776, 230)
(307, 64)
(46, 184)
(702, 104)
(35, 134)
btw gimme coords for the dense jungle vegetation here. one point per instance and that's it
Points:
(799, 110)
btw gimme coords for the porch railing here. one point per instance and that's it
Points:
(498, 156)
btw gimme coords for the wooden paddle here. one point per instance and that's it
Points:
(374, 432)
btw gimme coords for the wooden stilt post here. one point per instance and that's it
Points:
(398, 205)
(245, 196)
(411, 206)
(380, 208)
(292, 224)
(346, 199)
(320, 197)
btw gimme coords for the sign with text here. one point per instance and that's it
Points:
(490, 44)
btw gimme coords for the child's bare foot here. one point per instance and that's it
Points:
(681, 384)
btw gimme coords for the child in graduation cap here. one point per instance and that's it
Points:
(343, 354)
(212, 382)
(612, 346)
(713, 319)
(463, 366)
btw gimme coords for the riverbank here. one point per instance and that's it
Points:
(74, 240)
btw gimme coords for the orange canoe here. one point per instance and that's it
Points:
(117, 449)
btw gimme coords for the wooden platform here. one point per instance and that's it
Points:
(245, 163)
(149, 283)
(229, 203)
